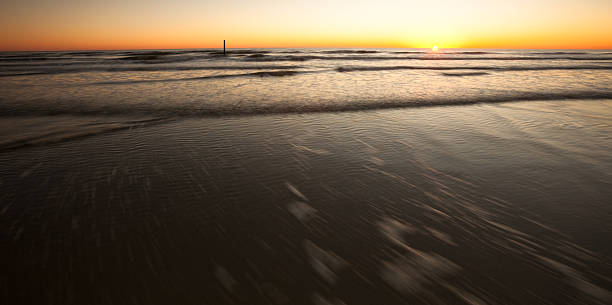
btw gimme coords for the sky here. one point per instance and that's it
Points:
(156, 24)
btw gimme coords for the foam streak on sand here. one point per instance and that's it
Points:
(237, 210)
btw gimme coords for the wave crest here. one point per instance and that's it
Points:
(207, 109)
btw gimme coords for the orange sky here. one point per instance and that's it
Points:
(155, 24)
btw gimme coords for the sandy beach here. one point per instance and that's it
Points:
(503, 203)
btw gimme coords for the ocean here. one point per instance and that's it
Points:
(306, 176)
(205, 82)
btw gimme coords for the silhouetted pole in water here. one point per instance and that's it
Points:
(223, 46)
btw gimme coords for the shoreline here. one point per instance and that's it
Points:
(433, 205)
(71, 124)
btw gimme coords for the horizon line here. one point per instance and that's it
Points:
(318, 47)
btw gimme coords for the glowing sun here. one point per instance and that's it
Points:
(434, 48)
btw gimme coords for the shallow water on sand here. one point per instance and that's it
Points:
(205, 82)
(483, 204)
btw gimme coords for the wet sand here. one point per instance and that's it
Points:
(483, 204)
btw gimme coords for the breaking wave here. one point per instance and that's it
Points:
(80, 69)
(560, 53)
(254, 74)
(464, 73)
(210, 109)
(426, 57)
(473, 52)
(409, 52)
(268, 70)
(350, 52)
(483, 68)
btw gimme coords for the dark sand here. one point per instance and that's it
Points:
(482, 204)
